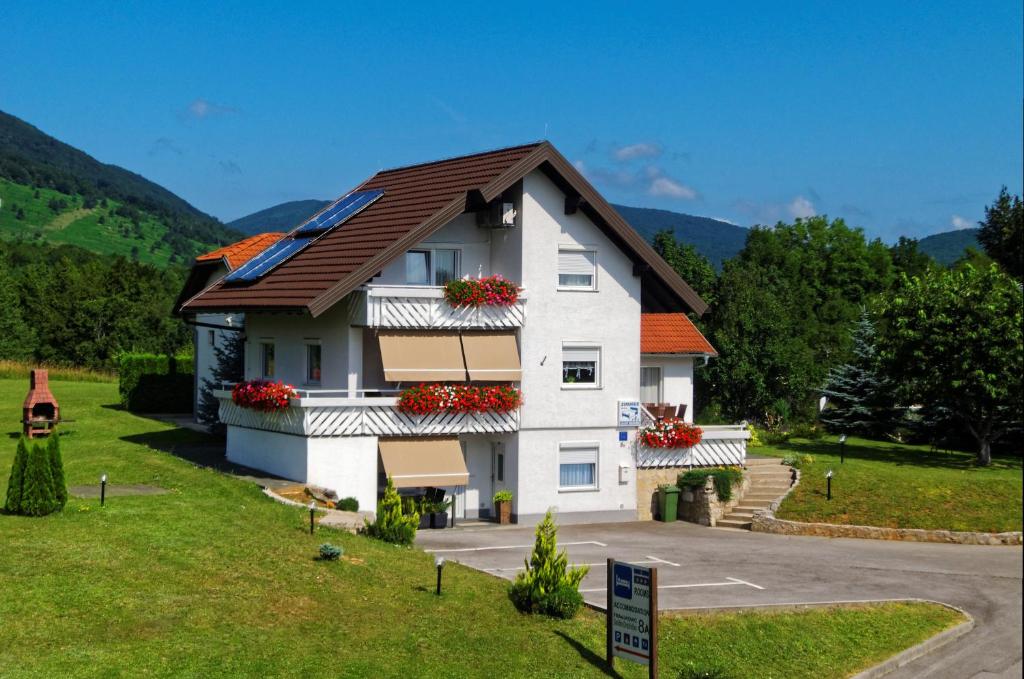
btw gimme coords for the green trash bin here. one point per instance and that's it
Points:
(668, 503)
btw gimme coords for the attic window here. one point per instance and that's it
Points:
(577, 269)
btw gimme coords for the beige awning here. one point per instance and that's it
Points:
(492, 356)
(422, 357)
(424, 461)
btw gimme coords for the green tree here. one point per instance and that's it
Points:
(860, 399)
(782, 316)
(548, 584)
(954, 340)
(56, 461)
(391, 524)
(37, 493)
(1002, 233)
(908, 259)
(17, 340)
(692, 267)
(16, 482)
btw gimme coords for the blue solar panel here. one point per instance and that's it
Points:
(340, 211)
(268, 259)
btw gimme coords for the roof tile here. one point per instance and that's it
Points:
(241, 252)
(672, 334)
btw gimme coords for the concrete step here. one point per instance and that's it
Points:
(751, 503)
(763, 461)
(761, 497)
(733, 523)
(759, 472)
(768, 487)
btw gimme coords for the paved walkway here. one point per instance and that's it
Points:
(703, 568)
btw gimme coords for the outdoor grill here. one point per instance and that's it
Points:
(40, 410)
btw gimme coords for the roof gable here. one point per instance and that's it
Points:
(418, 200)
(672, 334)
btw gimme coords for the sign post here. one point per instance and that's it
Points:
(632, 615)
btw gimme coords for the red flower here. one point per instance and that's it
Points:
(262, 395)
(491, 291)
(670, 432)
(425, 399)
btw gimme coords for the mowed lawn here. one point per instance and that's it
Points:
(900, 486)
(213, 579)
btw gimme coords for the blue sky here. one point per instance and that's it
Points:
(903, 118)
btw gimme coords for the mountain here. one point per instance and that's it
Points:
(53, 192)
(946, 248)
(281, 217)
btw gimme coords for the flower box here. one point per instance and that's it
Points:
(477, 292)
(262, 395)
(427, 399)
(670, 432)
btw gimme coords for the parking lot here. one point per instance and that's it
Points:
(702, 568)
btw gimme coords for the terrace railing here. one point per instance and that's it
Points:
(424, 308)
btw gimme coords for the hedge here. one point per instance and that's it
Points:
(150, 383)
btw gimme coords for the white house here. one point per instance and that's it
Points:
(349, 308)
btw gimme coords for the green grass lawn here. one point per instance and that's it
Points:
(900, 486)
(213, 579)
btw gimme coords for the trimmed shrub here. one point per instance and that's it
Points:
(329, 552)
(724, 477)
(391, 523)
(53, 456)
(37, 493)
(347, 504)
(548, 585)
(149, 383)
(797, 460)
(17, 478)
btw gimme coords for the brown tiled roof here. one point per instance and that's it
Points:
(672, 334)
(241, 252)
(418, 200)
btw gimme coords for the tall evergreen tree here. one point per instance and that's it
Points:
(1002, 233)
(17, 479)
(60, 488)
(37, 495)
(860, 399)
(229, 357)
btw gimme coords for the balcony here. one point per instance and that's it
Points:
(720, 445)
(424, 308)
(334, 413)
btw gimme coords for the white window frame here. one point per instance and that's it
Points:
(580, 449)
(308, 378)
(661, 381)
(264, 343)
(577, 288)
(432, 263)
(582, 346)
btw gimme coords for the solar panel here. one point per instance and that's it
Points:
(333, 216)
(341, 210)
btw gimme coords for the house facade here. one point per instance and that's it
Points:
(349, 309)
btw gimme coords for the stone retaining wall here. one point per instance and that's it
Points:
(700, 505)
(765, 522)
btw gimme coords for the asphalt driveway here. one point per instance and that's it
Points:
(701, 567)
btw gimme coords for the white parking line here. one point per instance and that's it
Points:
(482, 549)
(744, 582)
(732, 581)
(655, 559)
(650, 559)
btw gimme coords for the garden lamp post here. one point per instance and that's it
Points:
(103, 489)
(842, 449)
(439, 563)
(312, 515)
(828, 481)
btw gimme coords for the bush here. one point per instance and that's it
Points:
(17, 478)
(391, 523)
(774, 436)
(755, 437)
(149, 383)
(329, 552)
(797, 460)
(347, 504)
(806, 431)
(548, 585)
(503, 496)
(56, 462)
(38, 496)
(724, 477)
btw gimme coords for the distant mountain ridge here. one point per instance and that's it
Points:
(281, 217)
(945, 248)
(54, 192)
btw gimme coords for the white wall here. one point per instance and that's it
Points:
(676, 379)
(461, 233)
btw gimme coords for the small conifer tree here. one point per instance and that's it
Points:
(17, 479)
(37, 495)
(391, 524)
(60, 488)
(548, 585)
(229, 357)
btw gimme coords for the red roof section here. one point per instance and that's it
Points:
(241, 252)
(672, 334)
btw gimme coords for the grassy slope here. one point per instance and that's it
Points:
(900, 486)
(78, 226)
(213, 579)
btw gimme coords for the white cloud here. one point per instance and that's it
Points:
(663, 186)
(634, 151)
(801, 208)
(202, 108)
(959, 223)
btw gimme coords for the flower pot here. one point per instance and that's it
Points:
(426, 520)
(503, 509)
(439, 520)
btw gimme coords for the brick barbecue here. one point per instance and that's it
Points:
(40, 409)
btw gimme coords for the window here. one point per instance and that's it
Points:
(650, 385)
(267, 359)
(211, 339)
(432, 267)
(312, 364)
(577, 466)
(577, 269)
(581, 366)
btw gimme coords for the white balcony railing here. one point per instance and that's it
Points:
(424, 308)
(719, 445)
(321, 414)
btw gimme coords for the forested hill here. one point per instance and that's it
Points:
(946, 248)
(282, 217)
(53, 192)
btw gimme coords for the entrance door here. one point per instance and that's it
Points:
(497, 472)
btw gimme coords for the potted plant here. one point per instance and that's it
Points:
(503, 506)
(438, 512)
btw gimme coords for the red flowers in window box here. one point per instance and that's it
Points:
(670, 432)
(427, 399)
(262, 395)
(491, 291)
